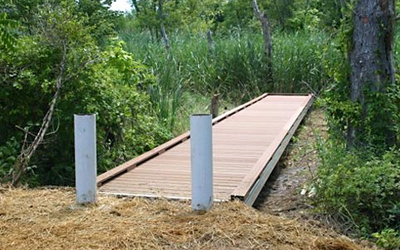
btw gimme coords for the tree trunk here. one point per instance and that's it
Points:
(262, 17)
(136, 6)
(371, 59)
(214, 105)
(162, 28)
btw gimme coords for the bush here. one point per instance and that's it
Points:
(8, 155)
(388, 239)
(104, 80)
(360, 188)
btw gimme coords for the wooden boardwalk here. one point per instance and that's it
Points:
(247, 143)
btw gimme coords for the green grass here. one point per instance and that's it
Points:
(302, 61)
(235, 69)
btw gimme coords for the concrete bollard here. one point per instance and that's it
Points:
(85, 158)
(201, 162)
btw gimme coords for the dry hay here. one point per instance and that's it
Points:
(49, 219)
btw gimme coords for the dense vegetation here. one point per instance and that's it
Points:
(144, 72)
(98, 77)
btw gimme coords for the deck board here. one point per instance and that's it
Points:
(244, 142)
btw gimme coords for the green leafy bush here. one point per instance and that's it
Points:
(102, 79)
(8, 155)
(388, 239)
(360, 188)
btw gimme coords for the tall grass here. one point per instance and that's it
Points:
(235, 69)
(166, 95)
(303, 61)
(237, 64)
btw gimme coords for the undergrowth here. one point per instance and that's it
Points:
(360, 189)
(358, 184)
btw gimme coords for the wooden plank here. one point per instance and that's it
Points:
(184, 188)
(259, 166)
(239, 143)
(101, 179)
(176, 175)
(237, 109)
(128, 193)
(253, 183)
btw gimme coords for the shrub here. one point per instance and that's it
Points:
(104, 80)
(360, 188)
(388, 239)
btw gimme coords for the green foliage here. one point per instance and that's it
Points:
(359, 185)
(380, 119)
(94, 14)
(189, 15)
(104, 80)
(303, 61)
(307, 19)
(238, 15)
(223, 17)
(360, 188)
(385, 108)
(279, 12)
(166, 95)
(8, 155)
(7, 38)
(235, 68)
(99, 19)
(388, 239)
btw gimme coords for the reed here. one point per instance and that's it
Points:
(235, 69)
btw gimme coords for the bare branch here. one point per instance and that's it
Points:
(256, 9)
(25, 131)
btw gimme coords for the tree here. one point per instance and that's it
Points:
(60, 67)
(372, 70)
(262, 17)
(162, 28)
(55, 24)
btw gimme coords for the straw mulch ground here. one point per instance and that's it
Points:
(49, 219)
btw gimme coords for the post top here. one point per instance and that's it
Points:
(200, 115)
(84, 114)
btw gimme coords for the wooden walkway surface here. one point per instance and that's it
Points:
(247, 143)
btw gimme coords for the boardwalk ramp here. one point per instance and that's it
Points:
(247, 144)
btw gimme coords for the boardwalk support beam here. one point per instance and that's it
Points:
(201, 162)
(85, 158)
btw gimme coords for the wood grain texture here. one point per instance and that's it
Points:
(244, 141)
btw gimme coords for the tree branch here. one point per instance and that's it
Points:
(26, 154)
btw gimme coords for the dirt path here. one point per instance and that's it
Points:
(286, 194)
